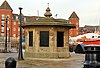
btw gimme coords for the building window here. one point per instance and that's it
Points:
(14, 35)
(44, 38)
(7, 28)
(8, 16)
(30, 38)
(70, 23)
(60, 39)
(2, 34)
(24, 19)
(14, 29)
(2, 29)
(16, 17)
(2, 23)
(14, 23)
(3, 16)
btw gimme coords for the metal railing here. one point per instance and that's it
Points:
(11, 47)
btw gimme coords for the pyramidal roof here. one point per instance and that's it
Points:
(74, 15)
(6, 6)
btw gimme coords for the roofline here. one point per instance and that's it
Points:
(49, 24)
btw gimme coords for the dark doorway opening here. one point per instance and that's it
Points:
(30, 38)
(60, 39)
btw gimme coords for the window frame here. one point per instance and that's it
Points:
(44, 38)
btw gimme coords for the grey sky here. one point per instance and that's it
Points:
(87, 10)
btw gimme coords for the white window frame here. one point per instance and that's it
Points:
(14, 29)
(14, 35)
(2, 34)
(24, 19)
(14, 23)
(2, 23)
(16, 17)
(2, 16)
(2, 29)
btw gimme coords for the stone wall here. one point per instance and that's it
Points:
(47, 52)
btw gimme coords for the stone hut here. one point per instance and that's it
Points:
(47, 37)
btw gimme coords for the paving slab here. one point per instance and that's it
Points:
(75, 61)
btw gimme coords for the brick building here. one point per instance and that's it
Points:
(89, 29)
(5, 10)
(12, 21)
(74, 19)
(13, 29)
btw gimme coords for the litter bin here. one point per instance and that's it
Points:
(71, 48)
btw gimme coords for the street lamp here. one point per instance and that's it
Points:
(6, 35)
(20, 55)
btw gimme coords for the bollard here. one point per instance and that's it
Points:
(92, 56)
(70, 48)
(10, 63)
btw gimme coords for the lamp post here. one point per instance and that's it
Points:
(6, 35)
(9, 35)
(20, 55)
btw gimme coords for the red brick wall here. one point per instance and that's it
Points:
(74, 31)
(10, 24)
(6, 12)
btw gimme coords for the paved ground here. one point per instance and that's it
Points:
(75, 61)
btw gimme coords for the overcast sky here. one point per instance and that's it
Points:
(87, 10)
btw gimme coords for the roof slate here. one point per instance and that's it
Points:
(49, 22)
(6, 6)
(73, 15)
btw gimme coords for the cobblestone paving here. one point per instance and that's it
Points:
(75, 61)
